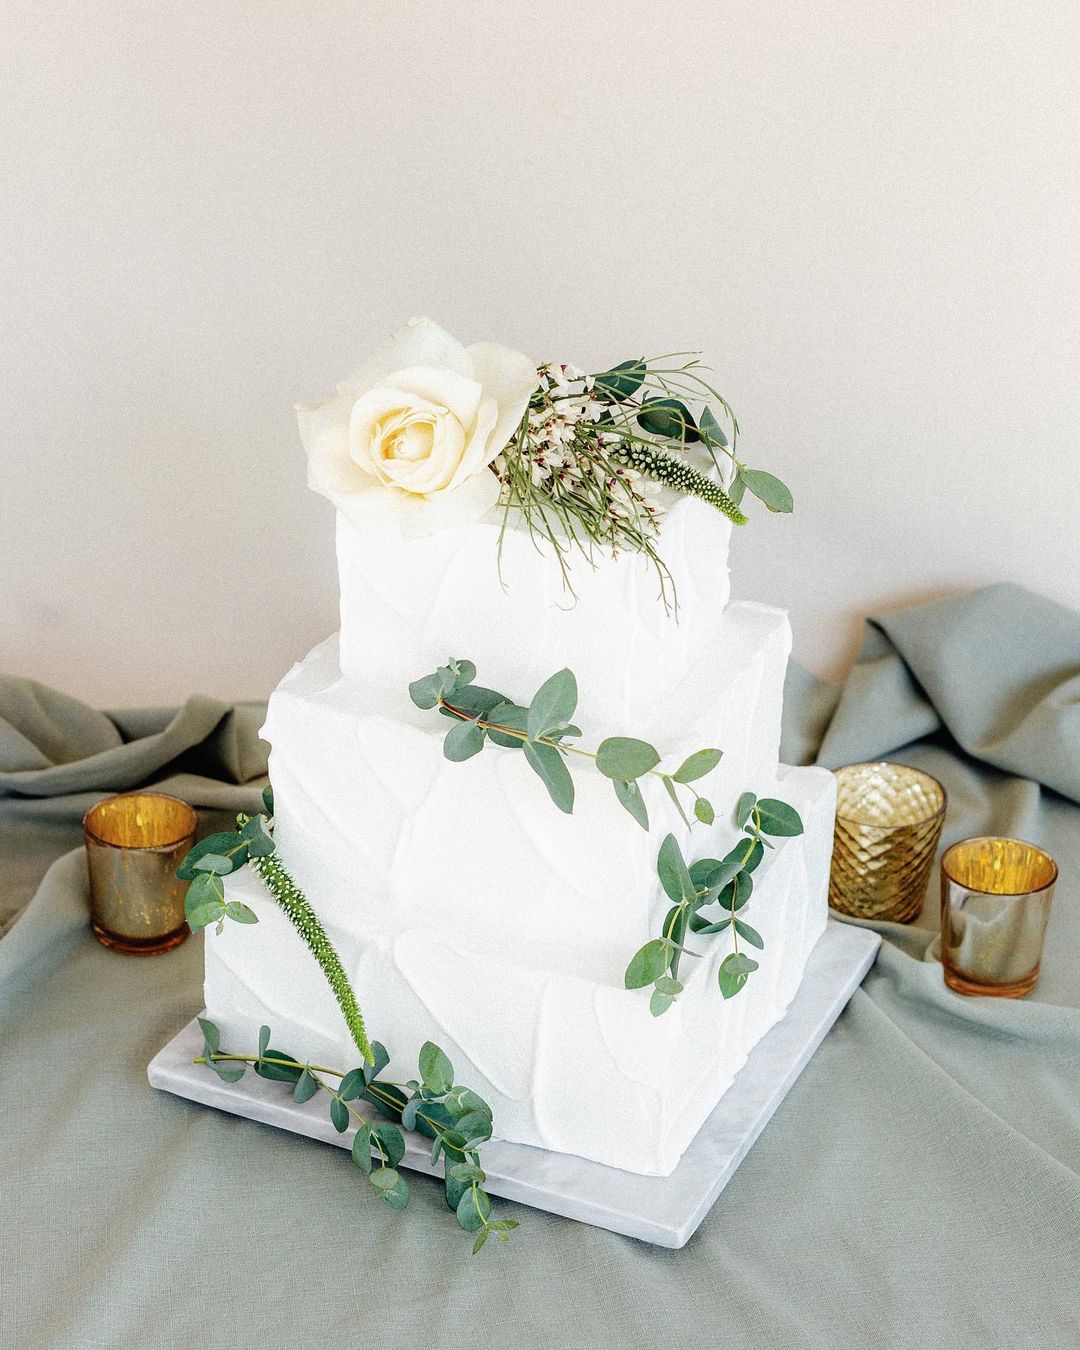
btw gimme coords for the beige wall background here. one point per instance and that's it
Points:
(865, 213)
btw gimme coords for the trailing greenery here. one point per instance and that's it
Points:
(540, 730)
(720, 886)
(581, 463)
(218, 855)
(453, 1116)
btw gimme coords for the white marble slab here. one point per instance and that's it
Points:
(661, 1210)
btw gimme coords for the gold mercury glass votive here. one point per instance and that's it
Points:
(888, 824)
(134, 844)
(995, 905)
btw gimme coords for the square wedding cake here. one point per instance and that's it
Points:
(473, 898)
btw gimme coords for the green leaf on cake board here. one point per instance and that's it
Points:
(435, 1068)
(647, 964)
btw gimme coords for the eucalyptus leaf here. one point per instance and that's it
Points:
(733, 973)
(704, 928)
(268, 799)
(352, 1085)
(647, 965)
(214, 862)
(339, 1114)
(549, 765)
(736, 489)
(669, 418)
(306, 1087)
(770, 490)
(621, 382)
(711, 429)
(225, 844)
(473, 1209)
(511, 715)
(476, 1127)
(481, 1238)
(659, 1003)
(204, 902)
(626, 758)
(391, 1187)
(703, 809)
(468, 1172)
(743, 808)
(553, 705)
(361, 1147)
(425, 692)
(391, 1140)
(264, 1039)
(260, 841)
(669, 788)
(673, 872)
(455, 1186)
(697, 766)
(435, 1068)
(211, 1036)
(240, 913)
(750, 934)
(279, 1073)
(736, 893)
(462, 741)
(667, 985)
(778, 818)
(475, 700)
(380, 1058)
(629, 795)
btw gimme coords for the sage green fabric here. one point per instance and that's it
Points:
(918, 1187)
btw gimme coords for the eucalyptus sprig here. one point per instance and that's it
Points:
(453, 1116)
(580, 466)
(724, 887)
(540, 731)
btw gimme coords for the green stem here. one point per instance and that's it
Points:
(561, 746)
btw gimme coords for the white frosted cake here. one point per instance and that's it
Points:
(465, 908)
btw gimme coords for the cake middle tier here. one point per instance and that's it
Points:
(500, 598)
(371, 801)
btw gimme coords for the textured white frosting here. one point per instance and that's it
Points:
(469, 911)
(569, 1060)
(407, 605)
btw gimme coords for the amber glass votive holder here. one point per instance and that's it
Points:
(888, 824)
(134, 844)
(995, 905)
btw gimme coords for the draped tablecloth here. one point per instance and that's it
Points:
(918, 1187)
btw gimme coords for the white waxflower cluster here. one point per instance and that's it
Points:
(570, 456)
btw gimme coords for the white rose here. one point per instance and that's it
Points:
(414, 430)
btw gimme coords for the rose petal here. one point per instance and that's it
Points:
(442, 388)
(324, 431)
(420, 342)
(511, 378)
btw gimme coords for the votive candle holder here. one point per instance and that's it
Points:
(135, 841)
(888, 825)
(995, 904)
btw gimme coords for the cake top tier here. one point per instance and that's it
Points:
(427, 436)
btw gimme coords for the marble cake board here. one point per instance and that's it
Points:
(665, 1211)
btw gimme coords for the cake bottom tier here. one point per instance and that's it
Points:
(570, 1063)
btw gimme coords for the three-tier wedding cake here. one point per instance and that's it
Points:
(465, 905)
